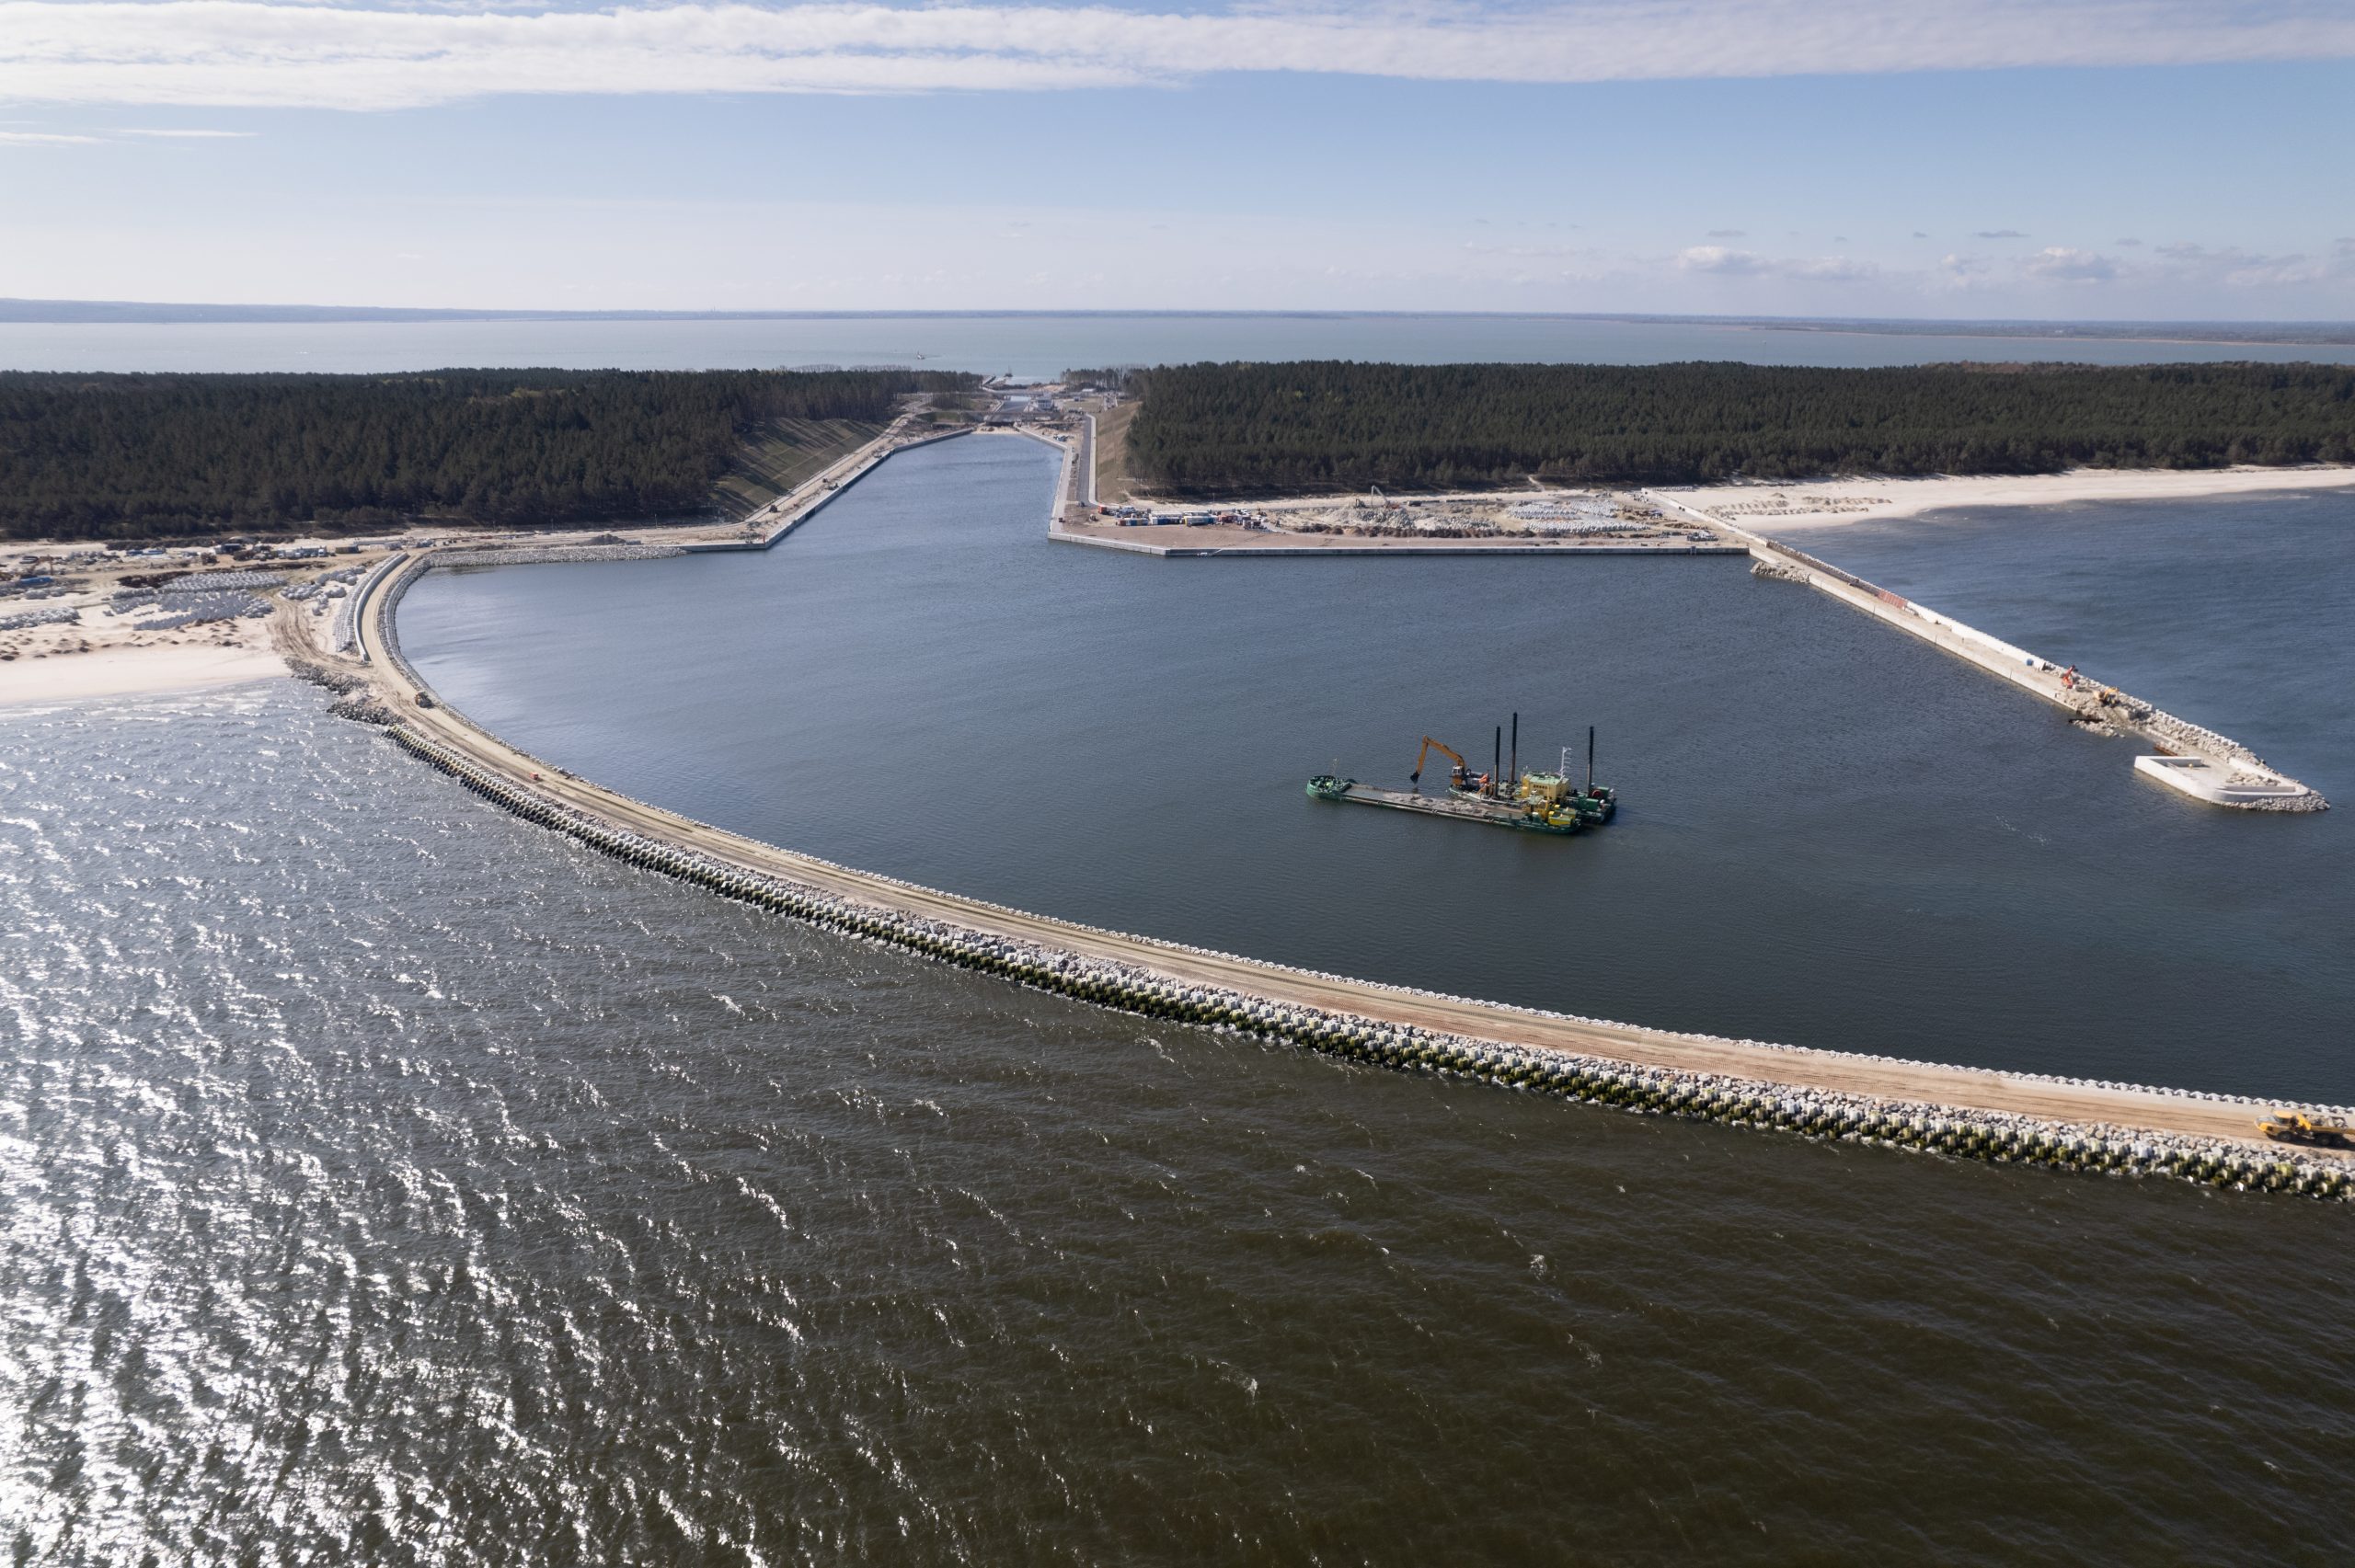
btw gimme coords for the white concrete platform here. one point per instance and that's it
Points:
(2202, 779)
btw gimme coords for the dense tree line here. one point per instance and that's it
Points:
(137, 456)
(1263, 428)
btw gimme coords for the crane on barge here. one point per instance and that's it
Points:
(1536, 802)
(1460, 779)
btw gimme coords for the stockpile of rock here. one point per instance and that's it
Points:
(26, 620)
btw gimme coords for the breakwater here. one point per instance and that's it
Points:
(2243, 780)
(2089, 1109)
(1960, 1131)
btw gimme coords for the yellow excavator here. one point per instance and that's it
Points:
(2297, 1126)
(1462, 778)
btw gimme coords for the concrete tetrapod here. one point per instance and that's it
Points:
(1961, 1132)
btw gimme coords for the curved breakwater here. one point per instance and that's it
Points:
(1961, 1132)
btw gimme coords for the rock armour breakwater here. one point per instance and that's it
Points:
(1995, 1136)
(2108, 713)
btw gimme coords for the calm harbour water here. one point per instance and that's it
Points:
(1832, 835)
(385, 1180)
(1028, 345)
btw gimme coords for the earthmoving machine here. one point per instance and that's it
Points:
(2298, 1126)
(1460, 779)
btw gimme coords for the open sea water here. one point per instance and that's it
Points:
(1036, 346)
(385, 1180)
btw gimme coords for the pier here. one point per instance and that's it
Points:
(2191, 759)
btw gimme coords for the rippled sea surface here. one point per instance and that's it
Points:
(385, 1180)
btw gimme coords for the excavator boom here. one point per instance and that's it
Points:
(1430, 746)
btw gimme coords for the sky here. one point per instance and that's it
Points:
(1972, 159)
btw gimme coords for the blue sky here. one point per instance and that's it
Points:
(1969, 158)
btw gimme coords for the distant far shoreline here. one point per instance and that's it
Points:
(131, 313)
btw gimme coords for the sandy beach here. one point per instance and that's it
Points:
(98, 655)
(134, 672)
(1830, 502)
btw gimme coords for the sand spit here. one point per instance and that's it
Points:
(134, 672)
(1827, 503)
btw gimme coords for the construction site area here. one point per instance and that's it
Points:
(1105, 506)
(1538, 517)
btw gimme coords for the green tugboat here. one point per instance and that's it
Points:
(1533, 803)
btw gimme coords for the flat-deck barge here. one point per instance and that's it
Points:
(1501, 797)
(1467, 808)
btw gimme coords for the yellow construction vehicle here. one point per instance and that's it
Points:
(1460, 779)
(2297, 1126)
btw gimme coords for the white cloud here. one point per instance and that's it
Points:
(409, 53)
(2237, 269)
(2069, 264)
(1830, 270)
(190, 135)
(42, 139)
(1719, 259)
(1959, 273)
(1726, 262)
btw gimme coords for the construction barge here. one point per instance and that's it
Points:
(1501, 797)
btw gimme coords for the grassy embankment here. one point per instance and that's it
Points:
(784, 454)
(1112, 481)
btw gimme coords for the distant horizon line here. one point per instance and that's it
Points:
(33, 311)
